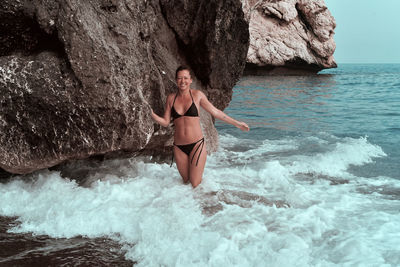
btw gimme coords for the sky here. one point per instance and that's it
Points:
(367, 31)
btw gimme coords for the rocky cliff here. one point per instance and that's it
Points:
(289, 36)
(76, 75)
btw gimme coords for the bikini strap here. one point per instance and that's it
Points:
(177, 95)
(174, 99)
(201, 144)
(191, 95)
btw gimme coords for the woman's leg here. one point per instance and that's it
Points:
(196, 172)
(182, 163)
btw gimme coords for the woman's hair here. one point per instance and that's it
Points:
(180, 68)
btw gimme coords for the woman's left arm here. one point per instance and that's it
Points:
(216, 113)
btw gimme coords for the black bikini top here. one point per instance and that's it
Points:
(191, 112)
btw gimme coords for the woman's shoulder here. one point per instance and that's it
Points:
(197, 93)
(171, 96)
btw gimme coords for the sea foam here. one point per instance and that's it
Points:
(265, 203)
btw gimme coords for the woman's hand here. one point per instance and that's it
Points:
(166, 119)
(243, 126)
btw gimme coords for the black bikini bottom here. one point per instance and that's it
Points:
(187, 149)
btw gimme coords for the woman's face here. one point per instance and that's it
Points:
(183, 79)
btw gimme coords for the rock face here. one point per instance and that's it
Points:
(289, 34)
(77, 76)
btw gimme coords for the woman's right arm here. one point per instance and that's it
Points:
(166, 119)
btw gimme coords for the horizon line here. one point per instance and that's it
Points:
(367, 63)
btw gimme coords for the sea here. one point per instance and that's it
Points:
(315, 182)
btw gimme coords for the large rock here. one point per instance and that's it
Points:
(289, 35)
(76, 75)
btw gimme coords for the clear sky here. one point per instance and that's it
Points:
(367, 31)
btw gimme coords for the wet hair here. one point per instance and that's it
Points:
(180, 68)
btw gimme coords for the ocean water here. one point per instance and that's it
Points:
(315, 182)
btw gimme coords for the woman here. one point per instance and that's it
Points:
(189, 150)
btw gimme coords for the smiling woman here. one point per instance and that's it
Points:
(190, 151)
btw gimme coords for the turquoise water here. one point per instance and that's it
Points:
(314, 183)
(353, 100)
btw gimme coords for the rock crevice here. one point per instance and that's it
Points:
(88, 93)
